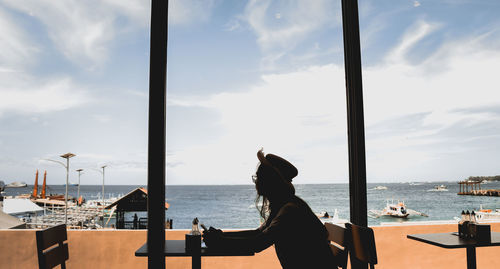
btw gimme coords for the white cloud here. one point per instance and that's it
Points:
(232, 25)
(84, 30)
(102, 118)
(291, 25)
(94, 157)
(16, 50)
(80, 30)
(284, 115)
(138, 93)
(283, 26)
(459, 74)
(269, 62)
(137, 11)
(411, 37)
(302, 115)
(184, 12)
(26, 95)
(371, 28)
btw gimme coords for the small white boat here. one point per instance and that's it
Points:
(439, 188)
(16, 184)
(393, 209)
(380, 188)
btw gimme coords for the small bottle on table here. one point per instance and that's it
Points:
(193, 238)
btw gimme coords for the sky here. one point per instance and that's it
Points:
(245, 75)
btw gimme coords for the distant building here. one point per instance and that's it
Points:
(132, 202)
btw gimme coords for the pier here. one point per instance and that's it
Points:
(468, 187)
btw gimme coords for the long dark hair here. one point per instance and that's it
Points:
(272, 189)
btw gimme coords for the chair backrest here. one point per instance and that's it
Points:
(337, 235)
(52, 250)
(361, 245)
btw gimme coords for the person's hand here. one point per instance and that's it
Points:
(212, 237)
(214, 230)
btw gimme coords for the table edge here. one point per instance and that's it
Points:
(203, 254)
(412, 237)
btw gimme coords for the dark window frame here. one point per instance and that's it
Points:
(157, 125)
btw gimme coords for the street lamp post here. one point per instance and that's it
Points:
(104, 166)
(102, 172)
(78, 192)
(66, 156)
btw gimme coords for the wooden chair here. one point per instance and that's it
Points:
(337, 235)
(361, 245)
(52, 250)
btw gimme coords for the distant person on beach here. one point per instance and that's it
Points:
(299, 237)
(135, 221)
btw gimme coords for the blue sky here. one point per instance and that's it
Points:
(244, 75)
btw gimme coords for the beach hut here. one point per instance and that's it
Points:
(132, 202)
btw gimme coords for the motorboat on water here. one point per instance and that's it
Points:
(394, 209)
(380, 188)
(439, 188)
(487, 214)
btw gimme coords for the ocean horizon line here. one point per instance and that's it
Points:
(250, 184)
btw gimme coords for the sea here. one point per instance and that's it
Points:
(233, 206)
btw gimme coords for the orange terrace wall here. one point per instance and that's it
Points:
(115, 249)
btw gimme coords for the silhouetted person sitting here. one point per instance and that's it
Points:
(299, 237)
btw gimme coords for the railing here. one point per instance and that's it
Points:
(115, 249)
(141, 223)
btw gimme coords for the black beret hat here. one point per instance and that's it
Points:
(284, 167)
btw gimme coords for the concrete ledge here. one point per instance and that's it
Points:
(115, 249)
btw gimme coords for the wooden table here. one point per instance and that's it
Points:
(176, 248)
(452, 240)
